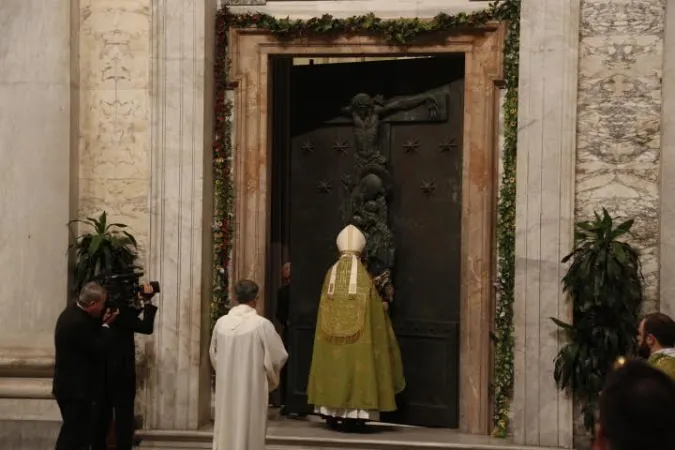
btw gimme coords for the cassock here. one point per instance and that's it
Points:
(247, 354)
(356, 366)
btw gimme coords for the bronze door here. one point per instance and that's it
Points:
(320, 157)
(425, 162)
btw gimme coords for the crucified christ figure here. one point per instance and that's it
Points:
(367, 113)
(367, 206)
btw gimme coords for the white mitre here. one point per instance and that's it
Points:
(350, 242)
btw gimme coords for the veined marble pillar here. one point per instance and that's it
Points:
(549, 41)
(36, 150)
(180, 252)
(667, 247)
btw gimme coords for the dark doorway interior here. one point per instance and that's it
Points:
(312, 152)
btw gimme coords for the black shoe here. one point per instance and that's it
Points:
(332, 423)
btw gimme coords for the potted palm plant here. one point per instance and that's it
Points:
(604, 282)
(104, 248)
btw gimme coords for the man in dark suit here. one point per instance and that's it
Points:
(120, 378)
(80, 340)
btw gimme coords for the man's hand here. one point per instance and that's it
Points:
(389, 292)
(385, 305)
(146, 289)
(109, 316)
(145, 294)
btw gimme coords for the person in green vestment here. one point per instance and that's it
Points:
(356, 366)
(656, 339)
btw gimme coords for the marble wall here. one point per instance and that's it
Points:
(37, 121)
(619, 107)
(542, 414)
(114, 133)
(35, 147)
(180, 248)
(667, 210)
(114, 141)
(619, 126)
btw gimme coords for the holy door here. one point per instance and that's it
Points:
(423, 152)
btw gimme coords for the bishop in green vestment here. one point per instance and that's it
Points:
(356, 364)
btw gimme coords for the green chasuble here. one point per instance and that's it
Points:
(664, 362)
(356, 362)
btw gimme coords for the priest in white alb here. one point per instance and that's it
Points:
(247, 354)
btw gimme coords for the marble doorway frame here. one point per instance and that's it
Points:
(250, 51)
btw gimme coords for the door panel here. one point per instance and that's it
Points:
(320, 156)
(425, 216)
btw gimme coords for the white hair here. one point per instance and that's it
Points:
(90, 293)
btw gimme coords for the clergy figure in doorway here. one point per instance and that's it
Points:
(247, 354)
(356, 365)
(282, 317)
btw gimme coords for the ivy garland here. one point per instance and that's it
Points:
(400, 32)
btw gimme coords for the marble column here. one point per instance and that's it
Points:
(36, 150)
(542, 415)
(180, 253)
(667, 244)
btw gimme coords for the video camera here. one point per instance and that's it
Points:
(123, 288)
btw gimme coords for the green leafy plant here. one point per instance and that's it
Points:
(106, 248)
(604, 282)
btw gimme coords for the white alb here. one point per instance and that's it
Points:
(248, 355)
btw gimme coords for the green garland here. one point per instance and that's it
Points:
(223, 214)
(400, 32)
(506, 228)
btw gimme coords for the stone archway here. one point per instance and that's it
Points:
(250, 51)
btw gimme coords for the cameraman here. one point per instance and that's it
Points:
(81, 337)
(120, 376)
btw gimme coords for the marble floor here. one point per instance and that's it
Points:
(312, 433)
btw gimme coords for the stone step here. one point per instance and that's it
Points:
(311, 439)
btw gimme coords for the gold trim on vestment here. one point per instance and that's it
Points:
(342, 315)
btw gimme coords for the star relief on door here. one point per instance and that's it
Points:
(324, 187)
(411, 146)
(449, 144)
(428, 187)
(341, 147)
(307, 147)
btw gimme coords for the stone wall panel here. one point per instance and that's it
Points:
(618, 141)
